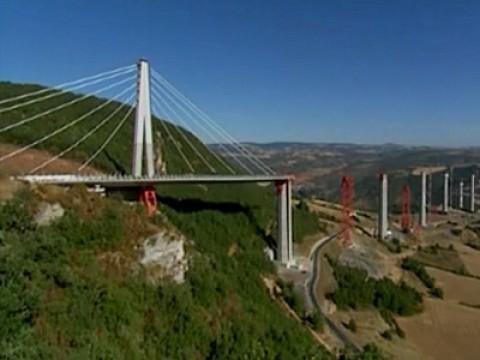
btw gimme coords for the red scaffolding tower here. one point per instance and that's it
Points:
(406, 218)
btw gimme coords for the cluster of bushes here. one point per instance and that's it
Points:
(394, 246)
(357, 290)
(410, 264)
(445, 258)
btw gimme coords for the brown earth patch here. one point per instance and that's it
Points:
(456, 287)
(444, 331)
(471, 259)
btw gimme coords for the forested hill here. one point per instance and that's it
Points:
(117, 155)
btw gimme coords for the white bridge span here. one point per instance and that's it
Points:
(139, 181)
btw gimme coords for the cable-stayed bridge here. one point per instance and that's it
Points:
(133, 93)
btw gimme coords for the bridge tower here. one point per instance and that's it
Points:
(446, 197)
(460, 196)
(142, 138)
(472, 193)
(423, 200)
(383, 207)
(284, 222)
(405, 221)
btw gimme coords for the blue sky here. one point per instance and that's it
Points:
(327, 71)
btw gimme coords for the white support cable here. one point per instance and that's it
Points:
(243, 151)
(64, 91)
(156, 101)
(207, 131)
(232, 155)
(84, 137)
(184, 136)
(49, 111)
(169, 134)
(65, 127)
(175, 102)
(107, 141)
(60, 86)
(211, 123)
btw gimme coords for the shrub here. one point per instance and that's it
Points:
(351, 325)
(437, 292)
(315, 320)
(387, 334)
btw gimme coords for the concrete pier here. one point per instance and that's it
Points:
(284, 222)
(446, 197)
(383, 207)
(472, 193)
(423, 200)
(460, 196)
(143, 138)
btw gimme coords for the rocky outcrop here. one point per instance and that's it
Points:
(366, 258)
(163, 256)
(48, 213)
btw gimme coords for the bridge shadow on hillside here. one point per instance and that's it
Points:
(228, 207)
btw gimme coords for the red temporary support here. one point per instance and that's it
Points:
(346, 201)
(406, 218)
(279, 184)
(149, 199)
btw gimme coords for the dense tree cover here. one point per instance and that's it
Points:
(358, 291)
(58, 302)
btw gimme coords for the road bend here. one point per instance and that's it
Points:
(311, 286)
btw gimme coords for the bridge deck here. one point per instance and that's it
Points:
(132, 181)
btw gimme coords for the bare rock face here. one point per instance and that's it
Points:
(365, 258)
(48, 213)
(163, 256)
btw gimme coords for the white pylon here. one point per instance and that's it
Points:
(143, 139)
(383, 207)
(423, 200)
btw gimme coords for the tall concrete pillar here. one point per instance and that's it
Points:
(284, 222)
(460, 195)
(423, 200)
(472, 193)
(445, 191)
(383, 208)
(142, 138)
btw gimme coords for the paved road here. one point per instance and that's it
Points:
(312, 284)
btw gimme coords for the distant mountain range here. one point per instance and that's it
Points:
(319, 166)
